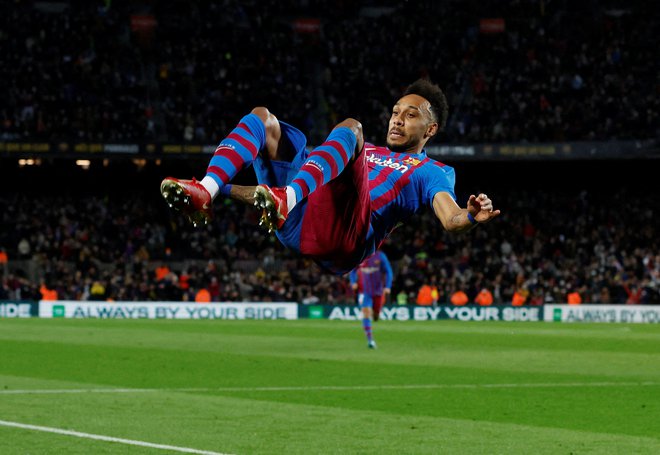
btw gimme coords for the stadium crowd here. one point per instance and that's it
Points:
(185, 72)
(97, 248)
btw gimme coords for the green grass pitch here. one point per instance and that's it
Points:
(312, 387)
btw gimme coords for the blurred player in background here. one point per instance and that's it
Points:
(337, 203)
(372, 280)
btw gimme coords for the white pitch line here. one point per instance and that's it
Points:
(331, 388)
(99, 437)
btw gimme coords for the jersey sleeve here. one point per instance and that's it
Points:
(353, 276)
(438, 178)
(386, 269)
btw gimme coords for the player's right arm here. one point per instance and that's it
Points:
(353, 277)
(386, 269)
(455, 219)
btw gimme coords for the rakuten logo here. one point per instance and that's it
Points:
(378, 161)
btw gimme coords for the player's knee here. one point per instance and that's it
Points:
(356, 127)
(353, 125)
(264, 114)
(270, 122)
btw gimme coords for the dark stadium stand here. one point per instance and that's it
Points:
(560, 72)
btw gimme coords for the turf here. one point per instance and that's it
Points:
(307, 387)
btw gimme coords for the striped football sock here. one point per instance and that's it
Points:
(323, 164)
(235, 151)
(366, 325)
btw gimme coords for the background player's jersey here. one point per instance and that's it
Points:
(401, 185)
(373, 274)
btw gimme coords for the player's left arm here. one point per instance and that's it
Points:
(353, 278)
(455, 219)
(386, 268)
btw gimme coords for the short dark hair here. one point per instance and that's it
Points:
(434, 95)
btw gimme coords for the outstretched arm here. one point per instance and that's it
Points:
(386, 269)
(352, 277)
(455, 219)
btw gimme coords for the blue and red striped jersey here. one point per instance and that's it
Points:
(401, 185)
(373, 274)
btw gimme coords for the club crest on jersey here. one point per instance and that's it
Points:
(389, 162)
(412, 161)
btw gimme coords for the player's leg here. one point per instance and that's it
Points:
(366, 305)
(378, 301)
(323, 164)
(257, 132)
(330, 225)
(328, 160)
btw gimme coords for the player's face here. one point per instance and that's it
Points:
(411, 124)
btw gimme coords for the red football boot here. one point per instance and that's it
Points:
(188, 197)
(274, 205)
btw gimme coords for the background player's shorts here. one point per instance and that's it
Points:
(375, 302)
(365, 300)
(330, 225)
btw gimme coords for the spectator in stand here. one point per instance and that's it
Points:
(427, 295)
(604, 296)
(24, 249)
(4, 260)
(574, 298)
(484, 298)
(520, 297)
(161, 272)
(46, 293)
(97, 291)
(634, 292)
(187, 83)
(203, 296)
(459, 298)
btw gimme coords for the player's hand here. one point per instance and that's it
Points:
(481, 208)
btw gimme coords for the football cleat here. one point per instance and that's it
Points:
(188, 197)
(274, 207)
(372, 344)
